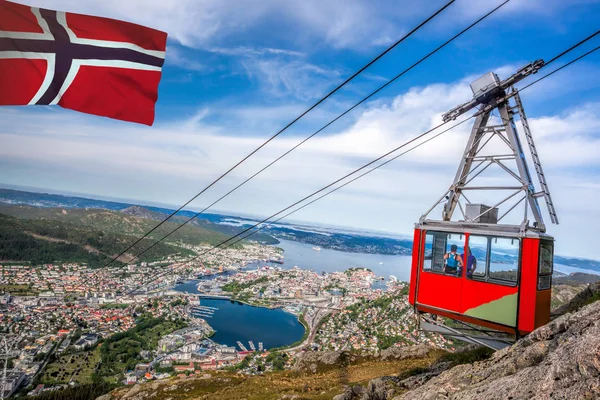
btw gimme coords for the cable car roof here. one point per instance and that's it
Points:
(516, 231)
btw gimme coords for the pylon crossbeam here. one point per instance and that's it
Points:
(474, 164)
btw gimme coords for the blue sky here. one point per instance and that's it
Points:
(236, 72)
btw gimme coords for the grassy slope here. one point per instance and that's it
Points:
(49, 235)
(115, 222)
(42, 241)
(77, 367)
(274, 385)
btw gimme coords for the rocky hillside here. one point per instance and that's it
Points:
(560, 360)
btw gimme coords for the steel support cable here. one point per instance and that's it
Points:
(416, 138)
(331, 93)
(374, 161)
(561, 67)
(572, 48)
(428, 140)
(356, 178)
(440, 47)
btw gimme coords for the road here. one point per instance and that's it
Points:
(313, 323)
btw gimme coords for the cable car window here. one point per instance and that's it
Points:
(546, 262)
(546, 265)
(504, 259)
(437, 246)
(437, 251)
(476, 261)
(428, 252)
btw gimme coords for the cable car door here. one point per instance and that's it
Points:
(440, 285)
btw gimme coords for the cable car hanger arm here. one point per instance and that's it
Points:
(494, 89)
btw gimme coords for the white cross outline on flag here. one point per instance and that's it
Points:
(93, 52)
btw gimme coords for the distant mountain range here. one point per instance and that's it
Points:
(228, 225)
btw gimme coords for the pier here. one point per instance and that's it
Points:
(252, 345)
(242, 346)
(203, 311)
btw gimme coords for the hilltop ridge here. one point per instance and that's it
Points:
(142, 212)
(327, 238)
(41, 235)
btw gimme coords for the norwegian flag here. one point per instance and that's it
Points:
(90, 64)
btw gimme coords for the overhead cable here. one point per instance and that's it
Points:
(402, 39)
(361, 168)
(364, 99)
(425, 141)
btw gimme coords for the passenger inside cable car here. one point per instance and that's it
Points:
(470, 260)
(499, 280)
(452, 261)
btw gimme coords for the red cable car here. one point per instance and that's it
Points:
(487, 276)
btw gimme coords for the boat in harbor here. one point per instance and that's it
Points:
(316, 248)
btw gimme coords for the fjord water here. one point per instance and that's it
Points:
(303, 255)
(235, 321)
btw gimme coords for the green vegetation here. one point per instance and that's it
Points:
(235, 287)
(114, 306)
(369, 315)
(179, 302)
(278, 360)
(39, 235)
(349, 271)
(83, 392)
(77, 367)
(41, 241)
(18, 290)
(467, 356)
(324, 384)
(355, 310)
(384, 342)
(120, 223)
(593, 299)
(121, 352)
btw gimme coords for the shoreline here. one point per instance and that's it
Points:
(299, 318)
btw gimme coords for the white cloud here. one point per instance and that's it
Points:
(298, 78)
(168, 164)
(336, 23)
(253, 51)
(176, 56)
